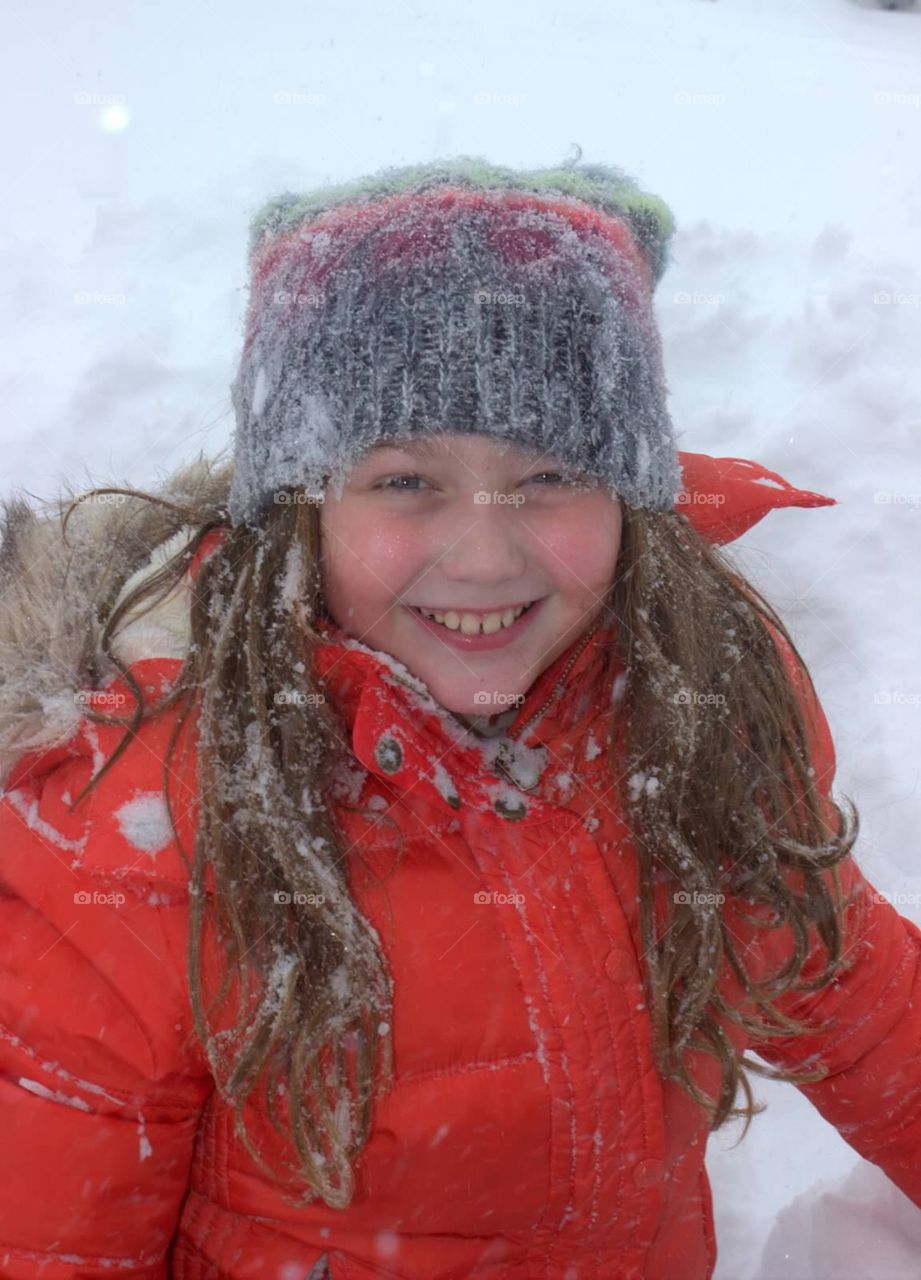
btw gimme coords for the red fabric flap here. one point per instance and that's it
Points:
(724, 497)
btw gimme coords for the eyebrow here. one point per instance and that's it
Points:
(425, 447)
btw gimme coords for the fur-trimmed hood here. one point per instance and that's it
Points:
(57, 587)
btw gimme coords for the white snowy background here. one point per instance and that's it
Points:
(784, 134)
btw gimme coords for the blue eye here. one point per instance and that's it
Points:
(576, 479)
(388, 483)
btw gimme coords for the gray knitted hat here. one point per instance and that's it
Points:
(456, 296)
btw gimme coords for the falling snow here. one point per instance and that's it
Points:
(825, 1228)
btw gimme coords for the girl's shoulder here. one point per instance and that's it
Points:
(52, 743)
(126, 831)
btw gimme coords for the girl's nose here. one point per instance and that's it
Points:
(483, 542)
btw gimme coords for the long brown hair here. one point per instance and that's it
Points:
(737, 812)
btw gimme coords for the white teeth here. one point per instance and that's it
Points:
(470, 624)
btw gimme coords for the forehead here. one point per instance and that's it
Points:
(448, 445)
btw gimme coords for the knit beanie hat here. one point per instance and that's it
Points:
(455, 296)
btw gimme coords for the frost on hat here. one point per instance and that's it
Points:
(456, 296)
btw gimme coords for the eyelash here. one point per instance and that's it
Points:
(413, 475)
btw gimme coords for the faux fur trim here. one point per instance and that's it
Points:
(57, 588)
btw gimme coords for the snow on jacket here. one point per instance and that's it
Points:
(528, 1132)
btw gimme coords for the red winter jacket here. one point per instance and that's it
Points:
(528, 1133)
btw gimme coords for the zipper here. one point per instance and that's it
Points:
(516, 732)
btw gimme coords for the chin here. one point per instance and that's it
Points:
(459, 706)
(469, 706)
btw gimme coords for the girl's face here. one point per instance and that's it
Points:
(466, 522)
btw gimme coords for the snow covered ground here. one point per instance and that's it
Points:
(785, 135)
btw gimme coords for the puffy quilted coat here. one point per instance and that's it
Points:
(528, 1132)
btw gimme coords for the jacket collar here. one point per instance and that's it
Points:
(401, 733)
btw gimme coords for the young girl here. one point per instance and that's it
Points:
(409, 824)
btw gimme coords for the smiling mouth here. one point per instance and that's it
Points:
(472, 624)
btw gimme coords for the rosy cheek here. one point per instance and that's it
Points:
(584, 544)
(397, 547)
(589, 553)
